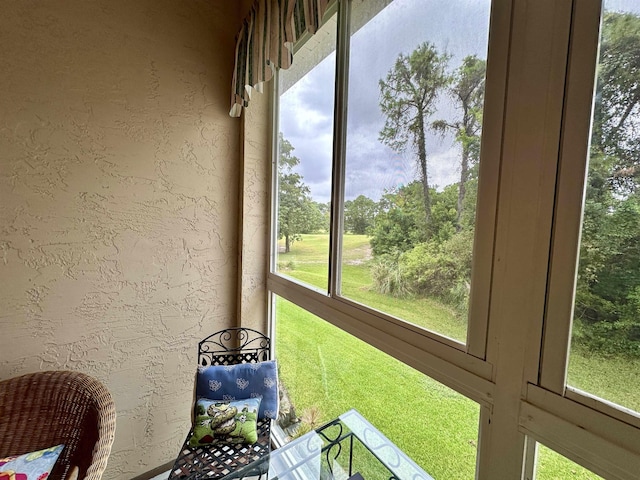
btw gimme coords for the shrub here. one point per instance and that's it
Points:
(387, 276)
(608, 338)
(441, 270)
(286, 266)
(603, 326)
(459, 296)
(591, 308)
(427, 271)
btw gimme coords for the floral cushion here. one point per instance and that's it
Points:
(30, 466)
(243, 380)
(223, 421)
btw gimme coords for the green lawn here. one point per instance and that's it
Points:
(331, 371)
(615, 379)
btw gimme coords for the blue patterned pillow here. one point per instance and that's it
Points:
(244, 380)
(30, 466)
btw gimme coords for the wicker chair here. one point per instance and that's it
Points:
(43, 409)
(227, 347)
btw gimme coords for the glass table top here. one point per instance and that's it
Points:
(349, 447)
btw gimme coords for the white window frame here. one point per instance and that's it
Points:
(380, 329)
(599, 423)
(537, 111)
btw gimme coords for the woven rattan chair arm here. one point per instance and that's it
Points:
(43, 409)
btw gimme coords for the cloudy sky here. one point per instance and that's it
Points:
(457, 27)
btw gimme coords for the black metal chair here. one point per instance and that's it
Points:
(227, 347)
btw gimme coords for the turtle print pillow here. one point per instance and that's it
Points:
(224, 421)
(243, 380)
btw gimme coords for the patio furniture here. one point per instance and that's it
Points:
(348, 447)
(44, 409)
(227, 347)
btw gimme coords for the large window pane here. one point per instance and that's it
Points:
(305, 144)
(416, 92)
(326, 372)
(605, 353)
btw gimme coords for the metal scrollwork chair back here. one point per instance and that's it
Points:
(227, 347)
(234, 345)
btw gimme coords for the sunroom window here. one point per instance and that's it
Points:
(305, 146)
(327, 371)
(437, 151)
(604, 307)
(379, 180)
(606, 324)
(412, 157)
(552, 465)
(381, 223)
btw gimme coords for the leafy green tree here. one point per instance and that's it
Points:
(443, 214)
(359, 215)
(400, 223)
(315, 218)
(325, 214)
(467, 91)
(407, 99)
(407, 262)
(607, 300)
(617, 108)
(297, 212)
(607, 295)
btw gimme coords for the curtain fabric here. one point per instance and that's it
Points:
(265, 42)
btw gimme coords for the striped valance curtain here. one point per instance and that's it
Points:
(265, 42)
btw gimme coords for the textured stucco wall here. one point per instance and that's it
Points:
(255, 181)
(119, 201)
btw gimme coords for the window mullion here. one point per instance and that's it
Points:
(339, 144)
(273, 202)
(275, 153)
(491, 147)
(569, 194)
(536, 73)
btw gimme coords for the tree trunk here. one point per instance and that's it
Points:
(424, 178)
(287, 244)
(462, 189)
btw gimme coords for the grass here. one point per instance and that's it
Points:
(326, 368)
(553, 466)
(425, 312)
(615, 378)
